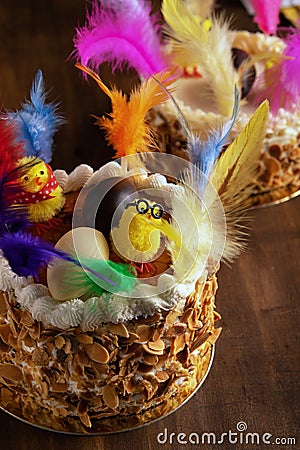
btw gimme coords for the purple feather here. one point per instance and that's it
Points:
(26, 254)
(122, 33)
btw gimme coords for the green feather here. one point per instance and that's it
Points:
(122, 277)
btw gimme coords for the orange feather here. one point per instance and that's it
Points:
(126, 127)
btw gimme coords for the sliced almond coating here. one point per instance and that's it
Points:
(179, 343)
(84, 338)
(11, 372)
(128, 386)
(12, 341)
(151, 319)
(28, 341)
(6, 396)
(58, 387)
(150, 360)
(199, 341)
(5, 331)
(35, 331)
(59, 342)
(186, 315)
(45, 389)
(27, 319)
(3, 303)
(40, 357)
(133, 337)
(176, 330)
(110, 397)
(151, 351)
(273, 165)
(193, 322)
(183, 356)
(96, 352)
(162, 360)
(217, 316)
(145, 333)
(157, 345)
(171, 317)
(214, 336)
(68, 346)
(157, 333)
(162, 376)
(86, 420)
(275, 150)
(119, 329)
(144, 368)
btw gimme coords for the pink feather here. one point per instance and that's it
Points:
(280, 84)
(123, 33)
(266, 14)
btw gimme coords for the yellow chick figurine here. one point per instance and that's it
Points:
(41, 192)
(137, 238)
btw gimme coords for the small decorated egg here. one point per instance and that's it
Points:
(80, 242)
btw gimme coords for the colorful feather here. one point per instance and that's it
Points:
(13, 216)
(200, 226)
(208, 49)
(121, 33)
(280, 83)
(122, 277)
(26, 254)
(126, 127)
(204, 153)
(233, 173)
(266, 14)
(37, 121)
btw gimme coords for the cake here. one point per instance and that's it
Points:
(78, 367)
(261, 65)
(107, 306)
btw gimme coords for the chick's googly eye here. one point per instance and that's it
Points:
(26, 178)
(42, 172)
(142, 206)
(157, 211)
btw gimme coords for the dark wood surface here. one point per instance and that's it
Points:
(255, 374)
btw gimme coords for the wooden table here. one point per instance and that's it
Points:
(254, 377)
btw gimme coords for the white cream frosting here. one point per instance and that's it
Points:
(75, 180)
(144, 299)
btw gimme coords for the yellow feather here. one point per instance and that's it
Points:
(209, 49)
(236, 166)
(126, 128)
(232, 174)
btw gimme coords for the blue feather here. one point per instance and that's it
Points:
(37, 121)
(205, 153)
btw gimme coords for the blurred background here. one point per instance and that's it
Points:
(39, 34)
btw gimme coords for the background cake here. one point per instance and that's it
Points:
(213, 59)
